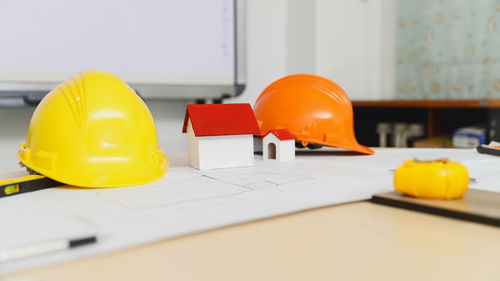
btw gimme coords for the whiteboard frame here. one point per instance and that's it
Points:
(13, 94)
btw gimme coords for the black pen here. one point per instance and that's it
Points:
(11, 254)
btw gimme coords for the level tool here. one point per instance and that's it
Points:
(16, 183)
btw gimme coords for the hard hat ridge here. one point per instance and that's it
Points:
(94, 131)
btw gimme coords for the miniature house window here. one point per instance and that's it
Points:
(271, 151)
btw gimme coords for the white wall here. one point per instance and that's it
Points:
(301, 36)
(266, 46)
(266, 37)
(13, 127)
(348, 41)
(355, 46)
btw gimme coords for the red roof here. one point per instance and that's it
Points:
(221, 119)
(282, 134)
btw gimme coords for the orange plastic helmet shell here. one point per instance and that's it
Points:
(313, 108)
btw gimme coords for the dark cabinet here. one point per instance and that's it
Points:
(439, 117)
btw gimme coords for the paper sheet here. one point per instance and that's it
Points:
(187, 200)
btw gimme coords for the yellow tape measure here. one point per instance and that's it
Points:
(434, 179)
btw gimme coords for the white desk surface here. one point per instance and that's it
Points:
(355, 241)
(363, 174)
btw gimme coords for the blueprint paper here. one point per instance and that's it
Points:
(187, 200)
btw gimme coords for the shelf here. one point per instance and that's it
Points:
(440, 117)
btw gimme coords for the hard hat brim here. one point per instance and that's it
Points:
(355, 147)
(127, 178)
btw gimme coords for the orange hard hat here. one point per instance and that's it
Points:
(313, 108)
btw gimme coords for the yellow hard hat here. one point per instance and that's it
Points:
(94, 131)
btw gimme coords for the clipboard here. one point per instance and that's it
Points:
(489, 149)
(476, 205)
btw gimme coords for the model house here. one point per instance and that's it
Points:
(220, 135)
(278, 145)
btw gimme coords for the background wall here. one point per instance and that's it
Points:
(348, 41)
(448, 49)
(351, 42)
(355, 46)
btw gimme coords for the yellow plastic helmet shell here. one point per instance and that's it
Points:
(439, 179)
(94, 131)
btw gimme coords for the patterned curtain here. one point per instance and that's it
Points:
(448, 49)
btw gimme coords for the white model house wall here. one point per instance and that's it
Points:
(216, 152)
(284, 150)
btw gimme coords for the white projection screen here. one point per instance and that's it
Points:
(189, 49)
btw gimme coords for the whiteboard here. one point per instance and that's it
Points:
(147, 42)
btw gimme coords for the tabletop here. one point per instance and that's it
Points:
(350, 241)
(354, 241)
